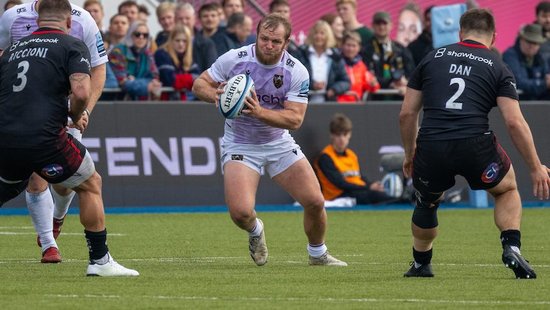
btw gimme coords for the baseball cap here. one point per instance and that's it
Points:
(381, 16)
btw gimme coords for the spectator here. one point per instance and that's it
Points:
(129, 8)
(95, 9)
(143, 13)
(204, 50)
(134, 66)
(527, 64)
(391, 62)
(11, 3)
(409, 24)
(209, 19)
(229, 8)
(423, 44)
(118, 28)
(282, 7)
(239, 28)
(338, 169)
(328, 77)
(174, 60)
(543, 19)
(166, 16)
(337, 25)
(361, 79)
(347, 9)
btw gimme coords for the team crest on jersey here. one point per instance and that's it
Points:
(278, 80)
(52, 171)
(490, 174)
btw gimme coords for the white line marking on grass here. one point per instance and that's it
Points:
(16, 227)
(10, 233)
(334, 300)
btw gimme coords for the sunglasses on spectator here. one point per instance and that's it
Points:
(138, 34)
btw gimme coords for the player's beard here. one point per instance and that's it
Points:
(268, 59)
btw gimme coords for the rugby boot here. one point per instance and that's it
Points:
(424, 271)
(519, 265)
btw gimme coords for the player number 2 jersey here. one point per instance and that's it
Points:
(460, 84)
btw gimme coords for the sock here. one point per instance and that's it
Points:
(257, 230)
(316, 250)
(512, 238)
(422, 258)
(62, 204)
(41, 210)
(97, 246)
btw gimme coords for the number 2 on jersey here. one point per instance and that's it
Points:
(451, 103)
(21, 76)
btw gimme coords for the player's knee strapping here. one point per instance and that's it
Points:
(8, 191)
(425, 212)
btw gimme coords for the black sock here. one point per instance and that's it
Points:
(511, 237)
(422, 258)
(97, 244)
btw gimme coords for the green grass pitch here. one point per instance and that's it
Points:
(200, 261)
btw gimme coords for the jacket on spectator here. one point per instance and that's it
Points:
(388, 66)
(421, 46)
(162, 37)
(133, 70)
(338, 79)
(362, 80)
(175, 76)
(530, 79)
(225, 41)
(204, 51)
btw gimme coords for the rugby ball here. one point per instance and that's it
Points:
(393, 184)
(231, 102)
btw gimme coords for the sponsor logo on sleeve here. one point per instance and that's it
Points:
(99, 45)
(304, 89)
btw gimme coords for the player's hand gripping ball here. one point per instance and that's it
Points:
(231, 102)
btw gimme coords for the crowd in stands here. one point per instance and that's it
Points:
(347, 60)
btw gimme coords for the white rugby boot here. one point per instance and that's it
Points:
(258, 248)
(326, 260)
(110, 269)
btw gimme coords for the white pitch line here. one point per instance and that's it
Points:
(213, 259)
(332, 300)
(16, 227)
(11, 233)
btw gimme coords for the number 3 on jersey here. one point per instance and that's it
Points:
(451, 103)
(21, 76)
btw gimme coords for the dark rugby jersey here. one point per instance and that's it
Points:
(460, 84)
(34, 87)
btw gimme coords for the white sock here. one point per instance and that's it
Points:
(41, 210)
(257, 230)
(316, 250)
(62, 204)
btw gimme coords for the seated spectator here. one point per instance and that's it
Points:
(282, 7)
(143, 13)
(347, 9)
(204, 50)
(362, 80)
(338, 169)
(174, 60)
(526, 62)
(134, 66)
(327, 72)
(11, 3)
(166, 16)
(337, 25)
(118, 29)
(130, 8)
(95, 9)
(239, 28)
(423, 44)
(391, 62)
(409, 24)
(542, 12)
(209, 19)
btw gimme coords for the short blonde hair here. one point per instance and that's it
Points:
(352, 2)
(321, 25)
(165, 7)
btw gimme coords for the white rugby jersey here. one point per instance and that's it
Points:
(288, 80)
(20, 21)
